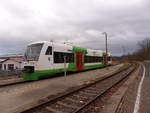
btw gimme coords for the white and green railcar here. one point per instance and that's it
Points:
(44, 59)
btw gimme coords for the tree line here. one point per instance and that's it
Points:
(143, 51)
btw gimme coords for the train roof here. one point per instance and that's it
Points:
(65, 45)
(38, 42)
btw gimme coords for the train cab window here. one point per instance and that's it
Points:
(49, 51)
(33, 51)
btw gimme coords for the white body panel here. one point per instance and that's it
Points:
(46, 62)
(60, 65)
(109, 62)
(94, 52)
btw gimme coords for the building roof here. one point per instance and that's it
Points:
(11, 56)
(2, 60)
(19, 60)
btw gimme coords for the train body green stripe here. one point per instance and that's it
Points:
(41, 74)
(93, 66)
(49, 73)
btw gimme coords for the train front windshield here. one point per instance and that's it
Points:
(33, 52)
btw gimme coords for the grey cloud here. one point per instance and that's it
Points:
(79, 22)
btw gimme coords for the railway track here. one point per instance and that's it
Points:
(19, 80)
(74, 101)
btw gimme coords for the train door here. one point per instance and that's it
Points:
(48, 58)
(105, 60)
(79, 62)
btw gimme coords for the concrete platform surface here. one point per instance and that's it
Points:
(113, 104)
(11, 81)
(145, 92)
(16, 96)
(137, 100)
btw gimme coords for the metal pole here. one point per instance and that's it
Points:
(65, 67)
(106, 49)
(106, 44)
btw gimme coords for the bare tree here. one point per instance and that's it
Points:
(143, 52)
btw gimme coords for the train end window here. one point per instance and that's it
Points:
(49, 51)
(109, 58)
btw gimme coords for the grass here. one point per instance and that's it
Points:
(148, 63)
(124, 65)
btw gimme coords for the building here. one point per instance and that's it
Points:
(10, 64)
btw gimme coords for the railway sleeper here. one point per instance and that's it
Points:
(68, 105)
(60, 108)
(75, 101)
(70, 102)
(91, 91)
(87, 93)
(82, 96)
(93, 88)
(50, 109)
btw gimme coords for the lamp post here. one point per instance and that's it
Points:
(106, 42)
(106, 46)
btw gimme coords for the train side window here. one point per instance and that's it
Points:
(49, 51)
(92, 59)
(59, 57)
(101, 59)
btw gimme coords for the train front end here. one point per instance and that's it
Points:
(31, 61)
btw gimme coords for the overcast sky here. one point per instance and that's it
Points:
(80, 22)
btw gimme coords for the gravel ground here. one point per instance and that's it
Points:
(128, 101)
(101, 104)
(16, 96)
(145, 96)
(5, 77)
(130, 97)
(78, 96)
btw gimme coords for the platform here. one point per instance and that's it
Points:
(137, 97)
(11, 81)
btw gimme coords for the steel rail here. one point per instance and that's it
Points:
(86, 86)
(2, 85)
(103, 92)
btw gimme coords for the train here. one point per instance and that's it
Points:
(43, 59)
